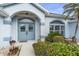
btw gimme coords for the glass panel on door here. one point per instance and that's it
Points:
(22, 30)
(26, 31)
(31, 32)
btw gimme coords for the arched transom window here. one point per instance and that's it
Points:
(57, 26)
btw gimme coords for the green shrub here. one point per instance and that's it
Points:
(58, 39)
(55, 49)
(62, 49)
(39, 48)
(51, 36)
(70, 42)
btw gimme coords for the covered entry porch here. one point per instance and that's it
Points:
(25, 26)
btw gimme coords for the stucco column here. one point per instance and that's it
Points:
(7, 28)
(14, 29)
(42, 30)
(66, 30)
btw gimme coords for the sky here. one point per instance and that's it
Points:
(54, 7)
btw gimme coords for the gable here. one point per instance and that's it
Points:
(36, 5)
(11, 9)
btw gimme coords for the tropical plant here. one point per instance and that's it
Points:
(51, 36)
(70, 10)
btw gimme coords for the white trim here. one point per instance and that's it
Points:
(40, 7)
(59, 30)
(56, 24)
(3, 13)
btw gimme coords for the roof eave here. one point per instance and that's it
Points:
(34, 4)
(58, 16)
(7, 4)
(3, 13)
(40, 8)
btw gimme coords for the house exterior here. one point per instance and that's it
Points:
(30, 21)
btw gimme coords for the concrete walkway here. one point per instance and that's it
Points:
(27, 49)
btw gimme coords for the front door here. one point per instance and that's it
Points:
(26, 31)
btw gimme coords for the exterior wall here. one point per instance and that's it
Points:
(47, 22)
(69, 27)
(41, 25)
(14, 30)
(37, 30)
(5, 33)
(67, 32)
(24, 7)
(72, 27)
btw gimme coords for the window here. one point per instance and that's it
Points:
(22, 28)
(31, 27)
(57, 26)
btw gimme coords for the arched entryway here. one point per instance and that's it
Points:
(26, 25)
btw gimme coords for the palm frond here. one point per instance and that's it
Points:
(68, 15)
(67, 10)
(71, 5)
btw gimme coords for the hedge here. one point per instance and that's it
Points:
(52, 35)
(39, 48)
(55, 49)
(62, 49)
(58, 39)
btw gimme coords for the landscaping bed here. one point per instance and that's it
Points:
(55, 49)
(56, 45)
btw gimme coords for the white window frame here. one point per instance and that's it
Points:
(60, 25)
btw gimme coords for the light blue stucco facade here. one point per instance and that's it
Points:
(31, 21)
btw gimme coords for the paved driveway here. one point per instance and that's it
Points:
(27, 49)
